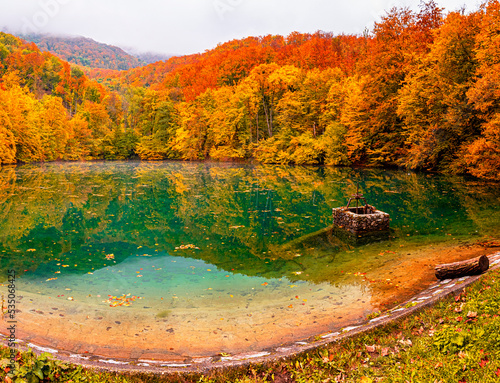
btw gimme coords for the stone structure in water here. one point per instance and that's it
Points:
(360, 220)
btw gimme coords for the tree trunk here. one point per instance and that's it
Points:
(460, 269)
(268, 111)
(257, 126)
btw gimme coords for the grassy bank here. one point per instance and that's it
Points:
(457, 340)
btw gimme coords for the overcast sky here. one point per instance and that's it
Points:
(190, 26)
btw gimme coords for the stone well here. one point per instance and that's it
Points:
(361, 220)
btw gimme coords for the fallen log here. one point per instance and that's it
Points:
(474, 266)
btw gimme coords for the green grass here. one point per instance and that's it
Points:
(456, 340)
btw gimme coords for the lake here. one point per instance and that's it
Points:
(143, 260)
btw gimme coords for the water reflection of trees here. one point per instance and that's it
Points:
(239, 215)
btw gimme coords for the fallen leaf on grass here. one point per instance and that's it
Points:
(459, 309)
(371, 349)
(471, 314)
(406, 342)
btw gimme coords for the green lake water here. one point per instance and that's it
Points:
(199, 236)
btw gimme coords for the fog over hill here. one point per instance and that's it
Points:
(90, 53)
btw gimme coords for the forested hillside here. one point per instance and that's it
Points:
(85, 52)
(420, 91)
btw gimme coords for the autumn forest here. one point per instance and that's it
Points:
(420, 91)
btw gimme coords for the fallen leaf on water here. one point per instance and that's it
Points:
(186, 247)
(50, 279)
(265, 284)
(124, 300)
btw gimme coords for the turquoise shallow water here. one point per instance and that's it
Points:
(184, 236)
